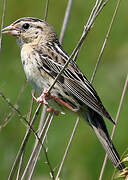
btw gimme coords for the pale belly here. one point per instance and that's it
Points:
(34, 77)
(37, 80)
(40, 80)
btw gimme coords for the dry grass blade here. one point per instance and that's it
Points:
(114, 127)
(30, 110)
(95, 11)
(20, 166)
(46, 10)
(95, 70)
(25, 140)
(2, 22)
(42, 132)
(24, 120)
(81, 41)
(7, 119)
(67, 148)
(46, 122)
(105, 41)
(66, 18)
(11, 114)
(19, 172)
(23, 144)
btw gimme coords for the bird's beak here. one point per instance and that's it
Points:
(11, 29)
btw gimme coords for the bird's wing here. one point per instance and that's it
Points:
(76, 83)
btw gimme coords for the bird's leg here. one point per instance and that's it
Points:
(44, 97)
(49, 109)
(64, 103)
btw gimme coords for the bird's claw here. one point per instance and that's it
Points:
(44, 97)
(41, 98)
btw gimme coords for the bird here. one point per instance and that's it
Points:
(43, 57)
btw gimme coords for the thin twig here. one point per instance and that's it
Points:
(20, 167)
(86, 29)
(67, 148)
(19, 174)
(37, 148)
(97, 64)
(21, 91)
(29, 125)
(94, 13)
(2, 22)
(7, 119)
(46, 10)
(105, 41)
(30, 110)
(114, 127)
(80, 43)
(19, 114)
(30, 164)
(11, 114)
(66, 18)
(23, 144)
(34, 155)
(42, 132)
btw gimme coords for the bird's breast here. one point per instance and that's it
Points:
(29, 60)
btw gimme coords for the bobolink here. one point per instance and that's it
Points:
(43, 58)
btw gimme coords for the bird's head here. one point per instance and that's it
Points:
(29, 29)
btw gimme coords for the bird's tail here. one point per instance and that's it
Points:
(98, 125)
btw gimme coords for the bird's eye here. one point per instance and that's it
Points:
(25, 26)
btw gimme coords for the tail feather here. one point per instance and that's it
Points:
(97, 123)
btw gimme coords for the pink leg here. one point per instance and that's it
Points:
(51, 110)
(43, 99)
(64, 103)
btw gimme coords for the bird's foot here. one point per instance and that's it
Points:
(52, 110)
(64, 103)
(44, 97)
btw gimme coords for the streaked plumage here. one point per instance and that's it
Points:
(43, 57)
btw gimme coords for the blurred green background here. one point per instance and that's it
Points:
(86, 155)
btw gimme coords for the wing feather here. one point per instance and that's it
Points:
(79, 87)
